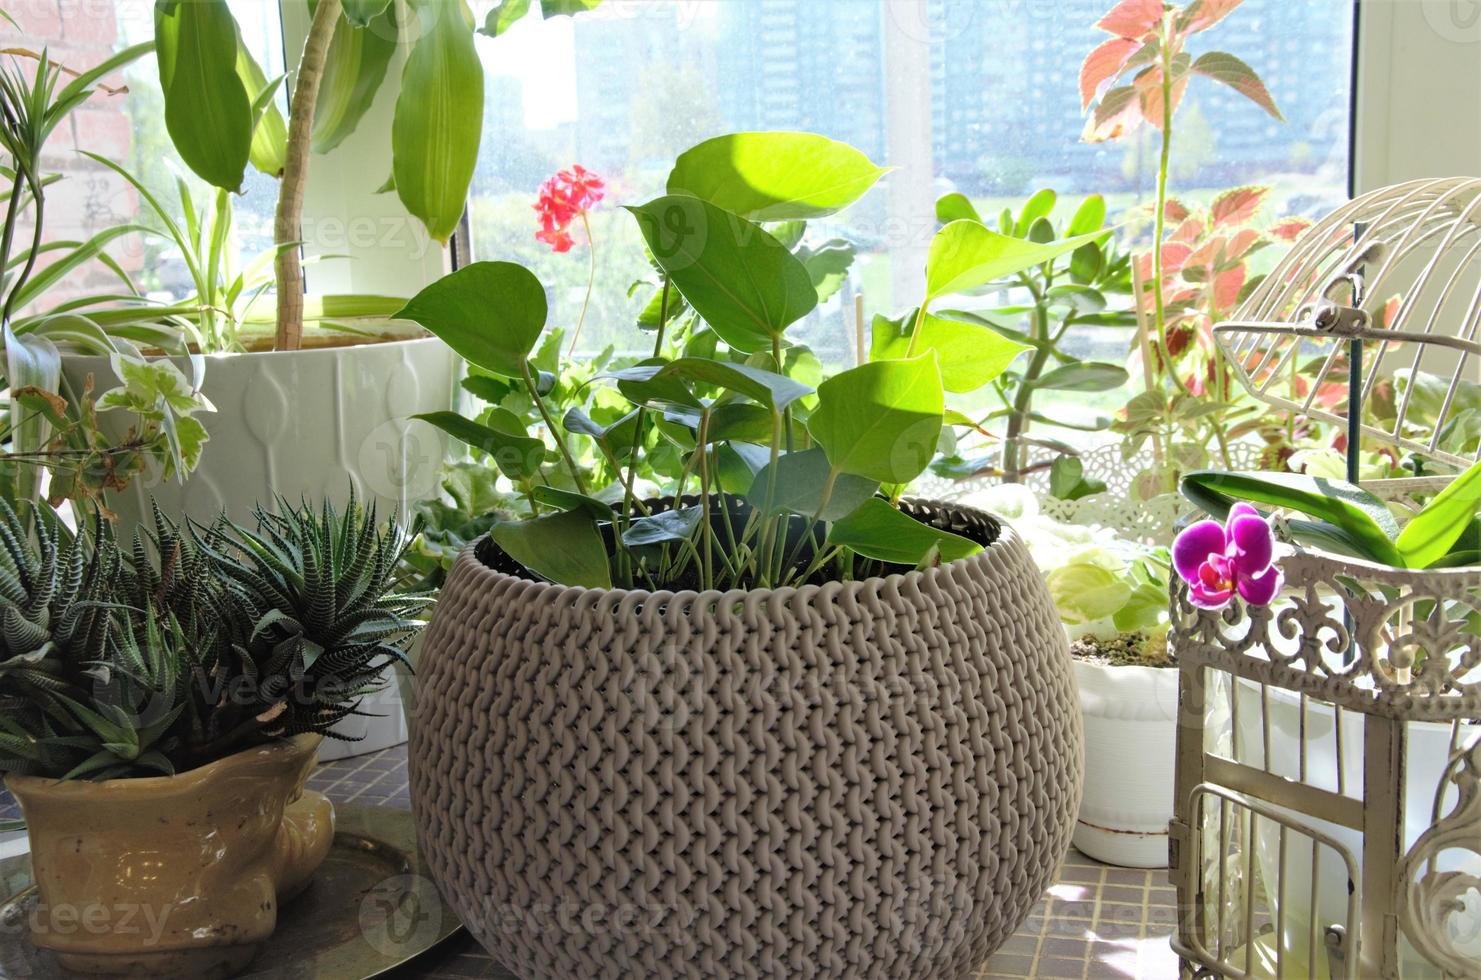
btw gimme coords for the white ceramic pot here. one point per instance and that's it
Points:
(309, 425)
(1130, 732)
(1429, 749)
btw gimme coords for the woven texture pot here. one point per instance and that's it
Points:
(860, 779)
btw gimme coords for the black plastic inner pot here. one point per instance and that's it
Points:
(972, 524)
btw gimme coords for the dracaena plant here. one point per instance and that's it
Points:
(222, 116)
(191, 644)
(780, 480)
(1083, 288)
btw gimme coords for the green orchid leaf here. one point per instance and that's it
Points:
(735, 275)
(208, 112)
(359, 56)
(1431, 534)
(802, 479)
(881, 420)
(970, 354)
(491, 313)
(438, 118)
(966, 254)
(1359, 517)
(517, 456)
(877, 530)
(774, 176)
(565, 548)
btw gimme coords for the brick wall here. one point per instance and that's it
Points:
(79, 34)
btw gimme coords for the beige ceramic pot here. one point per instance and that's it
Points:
(173, 876)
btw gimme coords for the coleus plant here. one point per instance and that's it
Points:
(782, 481)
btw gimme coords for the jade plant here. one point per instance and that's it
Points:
(1083, 288)
(191, 644)
(781, 480)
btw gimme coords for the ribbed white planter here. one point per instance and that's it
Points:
(1130, 731)
(307, 424)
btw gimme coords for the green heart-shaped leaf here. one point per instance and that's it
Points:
(970, 355)
(564, 548)
(877, 530)
(740, 279)
(774, 176)
(966, 254)
(881, 420)
(801, 481)
(491, 313)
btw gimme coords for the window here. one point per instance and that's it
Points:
(979, 97)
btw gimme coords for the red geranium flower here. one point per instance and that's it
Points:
(562, 199)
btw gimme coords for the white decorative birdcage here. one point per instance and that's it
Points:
(1328, 797)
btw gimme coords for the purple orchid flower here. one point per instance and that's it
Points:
(1218, 560)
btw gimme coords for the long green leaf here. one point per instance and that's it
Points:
(517, 456)
(438, 118)
(269, 147)
(59, 269)
(207, 109)
(353, 72)
(1357, 515)
(1430, 535)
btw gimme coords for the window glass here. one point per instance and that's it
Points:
(974, 96)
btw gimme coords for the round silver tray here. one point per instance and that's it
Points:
(370, 908)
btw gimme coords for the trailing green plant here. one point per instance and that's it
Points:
(191, 644)
(782, 478)
(40, 429)
(222, 115)
(1078, 289)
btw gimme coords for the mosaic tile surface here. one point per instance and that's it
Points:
(1095, 923)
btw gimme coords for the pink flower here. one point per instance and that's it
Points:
(562, 199)
(1218, 560)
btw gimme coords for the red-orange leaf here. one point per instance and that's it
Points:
(1237, 206)
(1190, 231)
(1243, 242)
(1224, 67)
(1117, 114)
(1131, 18)
(1102, 64)
(1203, 14)
(1175, 210)
(1290, 229)
(1226, 288)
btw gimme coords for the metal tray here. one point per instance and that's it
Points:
(370, 908)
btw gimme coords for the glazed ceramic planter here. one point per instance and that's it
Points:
(302, 424)
(1130, 734)
(173, 876)
(871, 778)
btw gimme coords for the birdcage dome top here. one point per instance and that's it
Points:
(1398, 270)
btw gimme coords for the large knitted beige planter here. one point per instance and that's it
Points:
(859, 779)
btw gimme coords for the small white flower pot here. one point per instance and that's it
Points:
(1130, 735)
